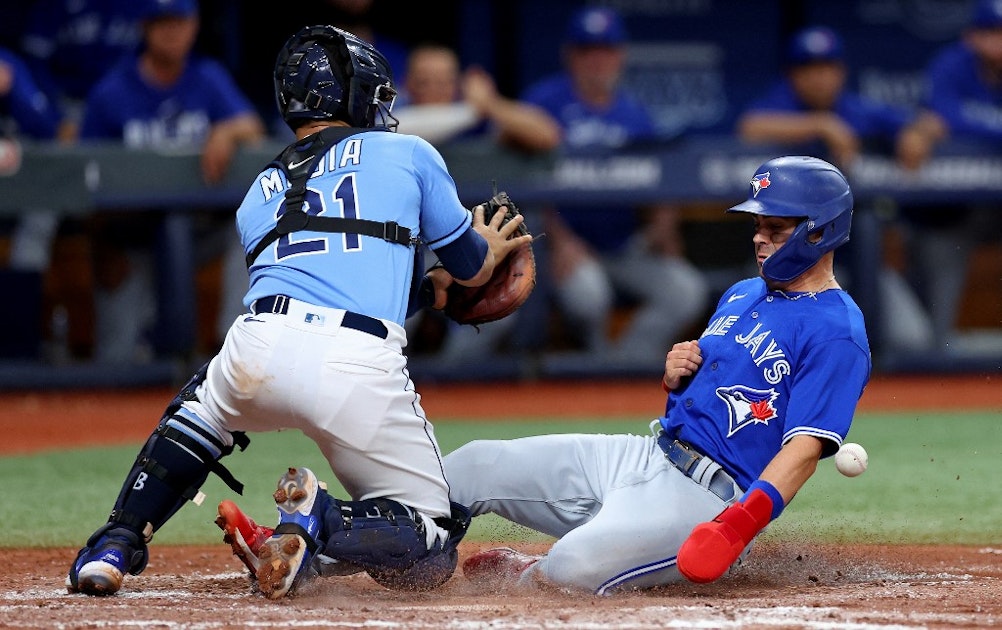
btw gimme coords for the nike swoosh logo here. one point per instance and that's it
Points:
(736, 296)
(293, 165)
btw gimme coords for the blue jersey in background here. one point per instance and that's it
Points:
(124, 106)
(972, 108)
(625, 120)
(25, 107)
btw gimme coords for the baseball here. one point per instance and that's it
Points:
(851, 459)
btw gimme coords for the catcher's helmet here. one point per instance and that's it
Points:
(325, 73)
(801, 186)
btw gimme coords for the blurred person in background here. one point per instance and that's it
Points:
(964, 93)
(601, 254)
(67, 46)
(811, 103)
(70, 44)
(165, 97)
(26, 113)
(25, 109)
(811, 109)
(443, 103)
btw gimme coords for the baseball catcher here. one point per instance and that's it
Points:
(330, 229)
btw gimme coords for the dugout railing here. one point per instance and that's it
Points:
(701, 172)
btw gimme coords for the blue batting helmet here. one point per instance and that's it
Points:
(801, 186)
(325, 73)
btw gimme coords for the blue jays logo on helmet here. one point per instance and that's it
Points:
(760, 181)
(807, 188)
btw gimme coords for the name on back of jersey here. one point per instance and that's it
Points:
(348, 155)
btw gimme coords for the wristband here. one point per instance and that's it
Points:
(770, 490)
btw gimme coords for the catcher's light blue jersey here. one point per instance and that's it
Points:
(774, 366)
(374, 175)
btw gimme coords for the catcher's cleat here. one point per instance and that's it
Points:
(100, 567)
(497, 566)
(242, 534)
(285, 557)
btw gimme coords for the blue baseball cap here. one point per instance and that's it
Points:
(170, 8)
(987, 14)
(812, 44)
(595, 26)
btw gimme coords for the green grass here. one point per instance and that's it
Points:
(932, 479)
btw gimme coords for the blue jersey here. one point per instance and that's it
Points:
(584, 126)
(32, 112)
(124, 106)
(867, 117)
(773, 368)
(375, 175)
(955, 91)
(70, 44)
(624, 121)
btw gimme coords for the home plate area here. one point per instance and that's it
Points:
(782, 585)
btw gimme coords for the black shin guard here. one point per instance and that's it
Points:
(171, 467)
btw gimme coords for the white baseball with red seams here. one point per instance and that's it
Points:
(851, 459)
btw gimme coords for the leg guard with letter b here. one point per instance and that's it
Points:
(172, 466)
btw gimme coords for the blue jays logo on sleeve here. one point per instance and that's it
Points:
(747, 406)
(760, 181)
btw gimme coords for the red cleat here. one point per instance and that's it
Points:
(500, 565)
(242, 534)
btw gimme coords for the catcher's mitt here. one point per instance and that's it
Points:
(510, 285)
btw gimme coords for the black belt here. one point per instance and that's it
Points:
(279, 305)
(685, 458)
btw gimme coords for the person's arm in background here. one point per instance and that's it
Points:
(916, 141)
(952, 94)
(235, 122)
(224, 139)
(36, 114)
(519, 124)
(790, 127)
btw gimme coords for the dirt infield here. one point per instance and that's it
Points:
(783, 585)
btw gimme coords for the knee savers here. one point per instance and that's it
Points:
(388, 540)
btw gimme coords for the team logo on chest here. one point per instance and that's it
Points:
(746, 406)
